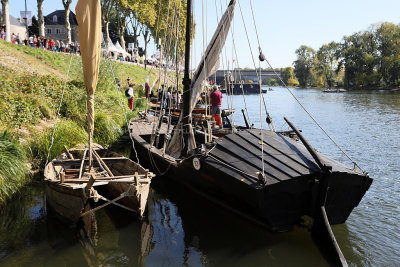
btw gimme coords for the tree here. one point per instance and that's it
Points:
(122, 14)
(387, 38)
(288, 77)
(359, 58)
(40, 17)
(135, 29)
(6, 19)
(327, 63)
(304, 64)
(106, 12)
(34, 28)
(67, 4)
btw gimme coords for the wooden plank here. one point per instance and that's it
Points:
(277, 161)
(254, 150)
(57, 162)
(236, 163)
(282, 150)
(248, 158)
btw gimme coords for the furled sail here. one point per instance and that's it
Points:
(88, 15)
(210, 61)
(208, 65)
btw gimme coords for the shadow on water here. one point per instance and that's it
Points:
(196, 233)
(31, 236)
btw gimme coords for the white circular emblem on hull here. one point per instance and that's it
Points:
(196, 164)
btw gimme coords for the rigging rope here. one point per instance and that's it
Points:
(298, 101)
(123, 109)
(261, 95)
(58, 111)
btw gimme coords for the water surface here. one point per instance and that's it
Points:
(185, 231)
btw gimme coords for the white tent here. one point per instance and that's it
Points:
(111, 48)
(121, 50)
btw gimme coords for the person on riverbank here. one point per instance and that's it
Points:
(216, 100)
(130, 96)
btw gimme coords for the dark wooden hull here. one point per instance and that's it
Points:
(227, 175)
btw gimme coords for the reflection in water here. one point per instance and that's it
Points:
(186, 231)
(31, 236)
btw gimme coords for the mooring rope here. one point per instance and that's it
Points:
(58, 111)
(298, 101)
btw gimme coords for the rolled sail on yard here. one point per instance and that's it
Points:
(207, 67)
(210, 61)
(88, 15)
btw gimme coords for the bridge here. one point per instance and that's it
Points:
(245, 75)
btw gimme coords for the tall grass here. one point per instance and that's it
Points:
(106, 130)
(12, 167)
(29, 102)
(67, 133)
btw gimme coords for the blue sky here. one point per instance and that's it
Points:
(283, 26)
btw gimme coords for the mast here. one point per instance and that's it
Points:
(186, 118)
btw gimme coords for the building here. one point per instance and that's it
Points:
(17, 26)
(54, 26)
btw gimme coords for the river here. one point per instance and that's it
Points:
(183, 231)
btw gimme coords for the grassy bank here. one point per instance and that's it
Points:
(31, 82)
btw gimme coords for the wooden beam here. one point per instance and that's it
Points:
(82, 164)
(77, 161)
(68, 153)
(103, 163)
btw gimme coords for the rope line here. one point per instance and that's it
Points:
(58, 111)
(298, 101)
(123, 109)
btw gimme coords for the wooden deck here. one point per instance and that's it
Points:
(142, 127)
(240, 154)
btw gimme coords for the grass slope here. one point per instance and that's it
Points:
(31, 82)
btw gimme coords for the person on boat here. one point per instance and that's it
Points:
(216, 100)
(147, 90)
(130, 96)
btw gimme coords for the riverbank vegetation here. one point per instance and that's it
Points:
(364, 60)
(32, 81)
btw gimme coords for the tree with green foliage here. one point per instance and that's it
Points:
(327, 63)
(359, 57)
(34, 28)
(387, 37)
(303, 65)
(288, 77)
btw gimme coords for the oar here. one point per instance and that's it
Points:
(322, 231)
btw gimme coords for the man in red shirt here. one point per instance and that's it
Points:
(216, 99)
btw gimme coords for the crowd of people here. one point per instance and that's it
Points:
(42, 42)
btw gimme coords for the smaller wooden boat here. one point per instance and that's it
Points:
(71, 191)
(334, 90)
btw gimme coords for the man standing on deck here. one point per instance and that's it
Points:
(216, 100)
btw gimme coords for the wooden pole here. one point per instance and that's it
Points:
(186, 118)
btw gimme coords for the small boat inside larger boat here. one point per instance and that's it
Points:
(71, 191)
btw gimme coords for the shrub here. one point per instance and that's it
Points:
(12, 167)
